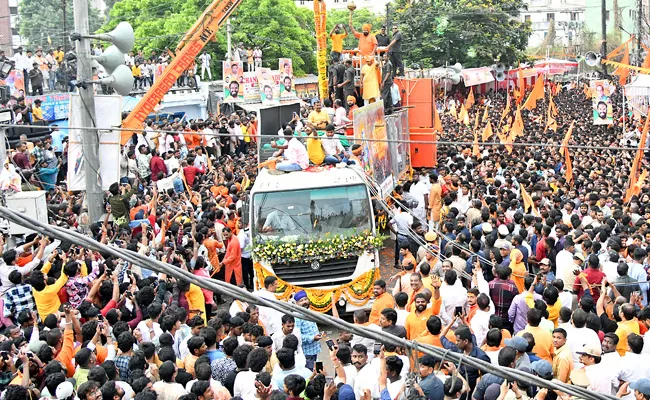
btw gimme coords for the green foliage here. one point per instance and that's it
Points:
(471, 32)
(40, 18)
(279, 27)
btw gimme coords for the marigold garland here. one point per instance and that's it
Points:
(357, 292)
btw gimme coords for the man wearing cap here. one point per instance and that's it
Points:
(502, 232)
(310, 336)
(543, 369)
(520, 344)
(641, 389)
(367, 41)
(383, 300)
(594, 376)
(504, 249)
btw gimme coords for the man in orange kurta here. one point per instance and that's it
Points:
(383, 300)
(416, 321)
(232, 259)
(435, 200)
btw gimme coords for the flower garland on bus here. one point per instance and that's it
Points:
(327, 248)
(357, 292)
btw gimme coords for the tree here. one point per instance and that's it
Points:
(279, 27)
(474, 33)
(359, 17)
(40, 19)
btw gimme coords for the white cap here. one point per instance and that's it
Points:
(503, 230)
(64, 390)
(486, 227)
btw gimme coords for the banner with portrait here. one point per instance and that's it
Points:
(16, 82)
(601, 94)
(369, 123)
(250, 87)
(268, 82)
(287, 84)
(232, 81)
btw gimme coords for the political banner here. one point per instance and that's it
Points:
(110, 108)
(250, 87)
(232, 79)
(16, 82)
(287, 84)
(55, 106)
(268, 83)
(369, 123)
(601, 94)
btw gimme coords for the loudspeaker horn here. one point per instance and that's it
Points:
(500, 76)
(457, 67)
(110, 59)
(122, 37)
(500, 67)
(580, 58)
(592, 59)
(121, 80)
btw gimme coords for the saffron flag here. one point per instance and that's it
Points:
(485, 114)
(565, 141)
(646, 62)
(551, 106)
(623, 73)
(528, 201)
(551, 123)
(517, 128)
(587, 91)
(536, 94)
(452, 111)
(521, 84)
(506, 111)
(568, 174)
(487, 132)
(437, 124)
(640, 182)
(463, 116)
(475, 149)
(470, 99)
(637, 160)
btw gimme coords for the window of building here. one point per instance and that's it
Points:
(607, 15)
(550, 16)
(13, 10)
(527, 18)
(574, 16)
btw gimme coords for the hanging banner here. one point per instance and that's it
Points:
(601, 92)
(55, 106)
(16, 82)
(110, 109)
(232, 79)
(476, 76)
(250, 87)
(369, 123)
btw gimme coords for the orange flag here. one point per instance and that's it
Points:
(506, 139)
(551, 123)
(517, 128)
(536, 94)
(506, 111)
(587, 92)
(452, 111)
(487, 132)
(528, 201)
(485, 114)
(568, 174)
(463, 116)
(551, 106)
(475, 149)
(565, 141)
(437, 125)
(637, 160)
(470, 99)
(640, 182)
(623, 72)
(521, 84)
(435, 149)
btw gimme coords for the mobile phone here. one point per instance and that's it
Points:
(330, 344)
(458, 311)
(319, 366)
(377, 349)
(328, 380)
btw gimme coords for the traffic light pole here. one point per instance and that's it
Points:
(86, 111)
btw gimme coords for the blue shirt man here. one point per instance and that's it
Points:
(309, 334)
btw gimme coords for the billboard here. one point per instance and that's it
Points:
(601, 95)
(369, 123)
(232, 80)
(55, 106)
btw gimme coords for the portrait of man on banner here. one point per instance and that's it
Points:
(601, 92)
(287, 85)
(269, 90)
(232, 82)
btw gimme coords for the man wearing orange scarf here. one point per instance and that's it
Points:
(367, 41)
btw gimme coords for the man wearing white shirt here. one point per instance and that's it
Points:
(334, 151)
(150, 328)
(454, 295)
(270, 318)
(361, 318)
(634, 365)
(367, 376)
(196, 324)
(599, 377)
(564, 264)
(244, 385)
(288, 324)
(480, 322)
(344, 354)
(580, 336)
(206, 59)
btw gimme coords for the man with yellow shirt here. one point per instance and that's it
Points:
(314, 147)
(45, 296)
(383, 300)
(37, 111)
(319, 118)
(337, 41)
(58, 54)
(543, 339)
(628, 324)
(563, 359)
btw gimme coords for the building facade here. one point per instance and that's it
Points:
(9, 37)
(567, 15)
(628, 12)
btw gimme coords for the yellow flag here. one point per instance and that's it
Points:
(565, 141)
(528, 201)
(623, 72)
(470, 99)
(551, 123)
(506, 111)
(517, 128)
(463, 116)
(485, 114)
(487, 132)
(536, 94)
(452, 111)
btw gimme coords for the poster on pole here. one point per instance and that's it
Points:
(601, 94)
(232, 81)
(269, 88)
(287, 84)
(369, 123)
(110, 109)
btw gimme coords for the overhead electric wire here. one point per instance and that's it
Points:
(292, 309)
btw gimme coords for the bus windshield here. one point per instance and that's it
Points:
(311, 213)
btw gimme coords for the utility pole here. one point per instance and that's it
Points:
(229, 39)
(65, 47)
(639, 30)
(86, 111)
(603, 27)
(388, 26)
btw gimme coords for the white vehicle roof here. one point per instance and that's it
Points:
(329, 177)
